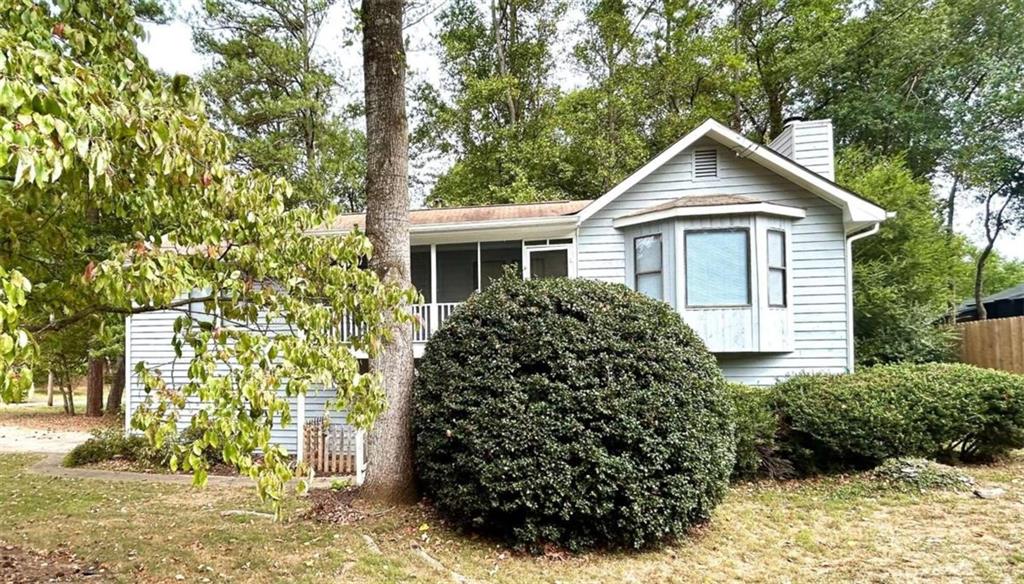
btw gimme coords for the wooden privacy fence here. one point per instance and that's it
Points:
(996, 343)
(332, 449)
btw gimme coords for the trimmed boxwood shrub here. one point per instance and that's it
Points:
(571, 412)
(943, 411)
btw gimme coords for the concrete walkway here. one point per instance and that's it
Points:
(17, 439)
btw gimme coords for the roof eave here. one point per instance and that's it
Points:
(428, 228)
(710, 210)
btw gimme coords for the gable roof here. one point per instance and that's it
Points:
(857, 211)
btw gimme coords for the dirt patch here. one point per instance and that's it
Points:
(19, 565)
(340, 507)
(18, 439)
(56, 421)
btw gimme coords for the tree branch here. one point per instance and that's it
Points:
(100, 309)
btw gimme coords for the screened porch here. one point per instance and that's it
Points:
(447, 274)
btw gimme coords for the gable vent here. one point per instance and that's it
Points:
(705, 163)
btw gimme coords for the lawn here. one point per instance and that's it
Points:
(832, 529)
(34, 413)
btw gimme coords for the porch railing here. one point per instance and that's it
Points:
(431, 317)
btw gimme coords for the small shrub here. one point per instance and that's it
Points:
(943, 411)
(756, 427)
(571, 412)
(920, 475)
(184, 442)
(110, 443)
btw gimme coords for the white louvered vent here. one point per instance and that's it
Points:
(705, 163)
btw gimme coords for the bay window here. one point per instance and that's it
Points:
(717, 267)
(649, 271)
(776, 268)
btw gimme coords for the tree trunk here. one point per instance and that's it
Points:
(94, 389)
(389, 473)
(116, 387)
(68, 393)
(979, 274)
(952, 303)
(49, 389)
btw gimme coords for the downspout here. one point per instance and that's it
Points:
(849, 290)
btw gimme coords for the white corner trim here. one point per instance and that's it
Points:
(706, 210)
(128, 370)
(300, 414)
(854, 207)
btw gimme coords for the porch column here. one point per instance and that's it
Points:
(432, 308)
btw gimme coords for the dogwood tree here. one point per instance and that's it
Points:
(117, 198)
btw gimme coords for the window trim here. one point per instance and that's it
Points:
(784, 268)
(750, 265)
(661, 266)
(570, 250)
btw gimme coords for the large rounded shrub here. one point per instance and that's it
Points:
(942, 411)
(573, 412)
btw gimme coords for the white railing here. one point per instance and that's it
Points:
(430, 317)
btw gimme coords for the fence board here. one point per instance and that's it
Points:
(997, 343)
(327, 449)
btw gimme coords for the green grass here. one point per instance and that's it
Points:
(36, 403)
(829, 529)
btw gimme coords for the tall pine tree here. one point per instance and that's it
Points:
(271, 89)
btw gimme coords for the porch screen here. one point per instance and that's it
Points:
(495, 256)
(456, 272)
(718, 268)
(420, 270)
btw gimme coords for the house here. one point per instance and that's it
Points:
(750, 243)
(1003, 304)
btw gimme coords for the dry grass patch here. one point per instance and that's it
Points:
(36, 415)
(826, 530)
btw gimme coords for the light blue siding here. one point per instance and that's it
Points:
(150, 336)
(819, 280)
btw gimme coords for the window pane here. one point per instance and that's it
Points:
(549, 264)
(776, 287)
(420, 270)
(776, 249)
(495, 256)
(456, 272)
(717, 268)
(647, 254)
(650, 284)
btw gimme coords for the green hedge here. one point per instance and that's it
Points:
(757, 425)
(941, 411)
(574, 412)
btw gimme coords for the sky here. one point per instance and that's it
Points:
(169, 48)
